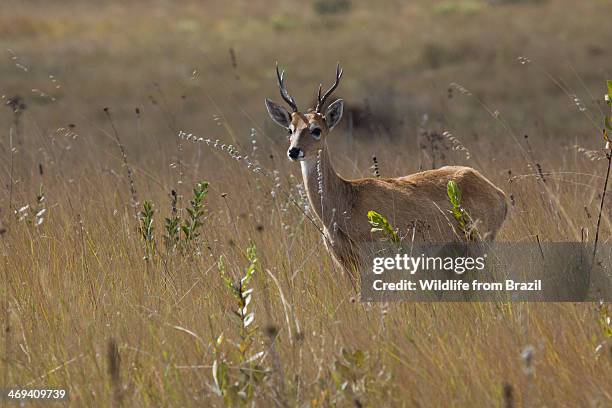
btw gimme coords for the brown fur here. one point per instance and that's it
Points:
(417, 205)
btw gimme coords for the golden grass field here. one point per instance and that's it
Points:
(84, 310)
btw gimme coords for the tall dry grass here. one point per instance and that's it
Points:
(82, 307)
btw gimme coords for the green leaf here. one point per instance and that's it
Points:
(609, 83)
(380, 224)
(607, 123)
(220, 375)
(460, 215)
(453, 192)
(337, 378)
(249, 319)
(358, 358)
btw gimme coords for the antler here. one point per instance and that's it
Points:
(321, 101)
(288, 98)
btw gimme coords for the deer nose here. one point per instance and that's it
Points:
(294, 153)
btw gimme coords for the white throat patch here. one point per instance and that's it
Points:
(308, 167)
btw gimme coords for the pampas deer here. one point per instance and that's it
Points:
(416, 204)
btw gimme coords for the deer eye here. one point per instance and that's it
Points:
(316, 133)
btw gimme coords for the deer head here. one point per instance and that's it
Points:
(306, 130)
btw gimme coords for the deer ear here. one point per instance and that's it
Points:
(278, 114)
(334, 113)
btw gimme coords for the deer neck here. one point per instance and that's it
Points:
(327, 192)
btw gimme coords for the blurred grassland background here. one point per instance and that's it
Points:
(518, 84)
